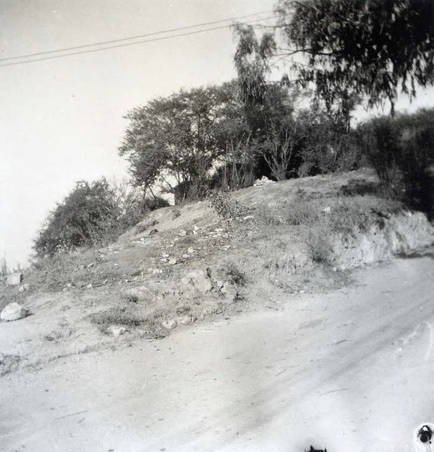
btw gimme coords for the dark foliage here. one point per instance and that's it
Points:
(86, 215)
(401, 150)
(369, 48)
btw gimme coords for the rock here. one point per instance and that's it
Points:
(14, 279)
(327, 209)
(182, 233)
(183, 309)
(89, 286)
(116, 330)
(172, 261)
(13, 311)
(230, 291)
(24, 288)
(136, 294)
(8, 363)
(191, 251)
(264, 180)
(197, 281)
(184, 320)
(169, 324)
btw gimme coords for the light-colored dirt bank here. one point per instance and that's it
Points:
(351, 371)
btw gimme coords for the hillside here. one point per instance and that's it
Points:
(252, 250)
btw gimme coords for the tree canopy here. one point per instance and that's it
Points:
(372, 48)
(180, 135)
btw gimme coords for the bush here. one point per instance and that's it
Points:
(401, 150)
(85, 217)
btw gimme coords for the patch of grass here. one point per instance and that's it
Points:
(116, 316)
(300, 212)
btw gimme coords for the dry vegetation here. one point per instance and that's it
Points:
(188, 263)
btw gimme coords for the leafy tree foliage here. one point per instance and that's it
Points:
(401, 149)
(180, 136)
(371, 48)
(88, 214)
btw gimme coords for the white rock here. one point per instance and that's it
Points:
(23, 288)
(14, 279)
(13, 311)
(116, 330)
(264, 180)
(172, 261)
(169, 324)
(184, 320)
(197, 280)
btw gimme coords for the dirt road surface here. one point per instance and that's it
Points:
(351, 370)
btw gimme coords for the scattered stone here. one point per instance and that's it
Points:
(248, 217)
(183, 309)
(169, 324)
(263, 181)
(197, 281)
(191, 251)
(116, 330)
(14, 279)
(327, 209)
(135, 294)
(92, 264)
(153, 231)
(184, 320)
(89, 286)
(182, 233)
(165, 255)
(172, 261)
(230, 291)
(13, 311)
(185, 256)
(24, 288)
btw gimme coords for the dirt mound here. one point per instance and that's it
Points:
(209, 259)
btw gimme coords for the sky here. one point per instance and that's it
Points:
(62, 120)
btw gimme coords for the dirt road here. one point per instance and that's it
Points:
(352, 370)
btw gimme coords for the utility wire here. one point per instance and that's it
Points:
(129, 38)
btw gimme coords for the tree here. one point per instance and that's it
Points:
(370, 48)
(179, 136)
(85, 217)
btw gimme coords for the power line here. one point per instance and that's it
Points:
(121, 42)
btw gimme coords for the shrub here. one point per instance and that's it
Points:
(225, 207)
(85, 217)
(401, 150)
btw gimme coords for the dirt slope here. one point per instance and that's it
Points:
(350, 370)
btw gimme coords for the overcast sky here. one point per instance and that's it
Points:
(61, 120)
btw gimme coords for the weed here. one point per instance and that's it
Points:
(116, 316)
(302, 213)
(225, 207)
(235, 275)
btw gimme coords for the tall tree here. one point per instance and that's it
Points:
(372, 48)
(179, 136)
